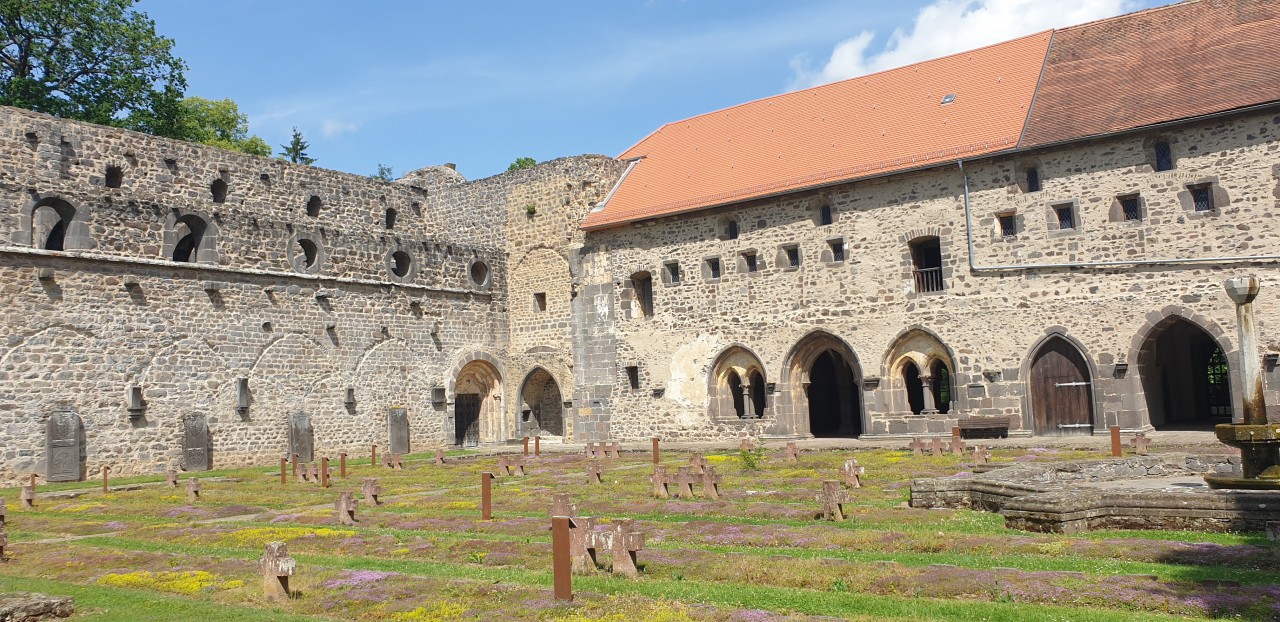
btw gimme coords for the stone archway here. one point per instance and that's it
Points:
(1186, 376)
(823, 389)
(477, 394)
(921, 373)
(1060, 387)
(736, 386)
(541, 405)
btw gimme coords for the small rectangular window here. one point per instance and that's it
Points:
(672, 269)
(1008, 225)
(750, 262)
(633, 376)
(713, 268)
(1164, 157)
(1066, 216)
(540, 301)
(837, 250)
(1202, 198)
(793, 256)
(1033, 180)
(1131, 207)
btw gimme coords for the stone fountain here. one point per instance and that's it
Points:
(1258, 441)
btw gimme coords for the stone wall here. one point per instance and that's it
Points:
(985, 326)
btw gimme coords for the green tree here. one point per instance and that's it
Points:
(385, 173)
(522, 163)
(296, 150)
(93, 60)
(221, 124)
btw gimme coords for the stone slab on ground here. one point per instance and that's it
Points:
(32, 607)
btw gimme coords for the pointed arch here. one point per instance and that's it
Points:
(921, 370)
(733, 394)
(1061, 399)
(833, 399)
(1185, 365)
(475, 385)
(541, 407)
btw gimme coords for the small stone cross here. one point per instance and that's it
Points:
(193, 490)
(592, 452)
(171, 478)
(276, 567)
(393, 461)
(1140, 443)
(851, 473)
(833, 499)
(562, 505)
(511, 465)
(745, 445)
(610, 449)
(957, 446)
(28, 496)
(937, 446)
(582, 548)
(439, 456)
(369, 486)
(791, 453)
(623, 541)
(981, 455)
(313, 472)
(594, 473)
(346, 506)
(711, 483)
(302, 474)
(917, 445)
(698, 463)
(660, 481)
(684, 480)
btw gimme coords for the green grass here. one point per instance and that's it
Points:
(113, 604)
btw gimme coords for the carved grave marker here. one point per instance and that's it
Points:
(851, 473)
(833, 498)
(660, 480)
(698, 464)
(301, 437)
(64, 447)
(398, 430)
(684, 480)
(28, 496)
(1140, 443)
(276, 567)
(623, 541)
(711, 483)
(371, 490)
(981, 455)
(395, 462)
(937, 446)
(594, 474)
(957, 446)
(193, 490)
(581, 544)
(562, 505)
(917, 445)
(346, 506)
(171, 478)
(195, 442)
(511, 465)
(439, 456)
(745, 445)
(591, 451)
(610, 449)
(791, 453)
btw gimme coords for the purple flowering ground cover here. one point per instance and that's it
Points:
(756, 553)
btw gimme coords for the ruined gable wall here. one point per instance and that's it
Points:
(988, 323)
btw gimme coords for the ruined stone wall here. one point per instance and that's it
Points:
(986, 325)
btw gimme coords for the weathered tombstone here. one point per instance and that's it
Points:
(511, 465)
(64, 444)
(660, 480)
(171, 478)
(698, 464)
(711, 483)
(439, 456)
(313, 472)
(981, 455)
(562, 505)
(591, 451)
(957, 446)
(791, 453)
(611, 449)
(371, 490)
(195, 442)
(594, 474)
(684, 480)
(193, 490)
(745, 445)
(623, 541)
(28, 496)
(346, 506)
(395, 462)
(917, 445)
(937, 446)
(301, 436)
(851, 473)
(1140, 443)
(582, 544)
(276, 567)
(398, 430)
(832, 498)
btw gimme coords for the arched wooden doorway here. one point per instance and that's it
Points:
(1061, 390)
(1185, 377)
(477, 390)
(541, 406)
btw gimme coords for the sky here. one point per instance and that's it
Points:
(410, 84)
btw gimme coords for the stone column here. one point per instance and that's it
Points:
(748, 409)
(926, 384)
(1242, 290)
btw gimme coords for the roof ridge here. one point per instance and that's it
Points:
(1175, 5)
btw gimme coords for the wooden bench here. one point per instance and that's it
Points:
(984, 427)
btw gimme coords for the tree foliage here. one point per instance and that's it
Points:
(93, 60)
(221, 124)
(296, 150)
(522, 163)
(385, 173)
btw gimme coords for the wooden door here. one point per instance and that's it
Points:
(195, 443)
(1061, 391)
(398, 431)
(466, 419)
(62, 448)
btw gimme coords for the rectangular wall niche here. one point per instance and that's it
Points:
(540, 301)
(242, 396)
(136, 406)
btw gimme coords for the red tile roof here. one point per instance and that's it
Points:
(1158, 65)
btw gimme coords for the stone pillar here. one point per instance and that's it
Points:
(748, 409)
(926, 384)
(1242, 290)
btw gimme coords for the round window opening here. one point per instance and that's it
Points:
(309, 252)
(479, 273)
(400, 263)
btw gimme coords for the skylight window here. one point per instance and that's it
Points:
(948, 98)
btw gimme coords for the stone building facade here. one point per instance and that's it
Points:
(1057, 268)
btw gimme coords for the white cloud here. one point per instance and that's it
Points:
(333, 127)
(947, 27)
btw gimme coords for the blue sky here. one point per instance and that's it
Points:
(412, 84)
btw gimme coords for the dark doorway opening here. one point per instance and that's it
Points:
(833, 397)
(915, 387)
(1185, 377)
(757, 393)
(941, 386)
(466, 419)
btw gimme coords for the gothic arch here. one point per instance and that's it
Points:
(476, 382)
(912, 368)
(736, 385)
(1170, 373)
(1055, 338)
(541, 404)
(793, 404)
(182, 228)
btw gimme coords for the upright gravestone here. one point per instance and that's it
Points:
(660, 481)
(398, 430)
(64, 454)
(562, 505)
(301, 436)
(193, 490)
(195, 442)
(276, 567)
(346, 507)
(371, 490)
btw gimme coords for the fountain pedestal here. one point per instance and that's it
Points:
(1258, 441)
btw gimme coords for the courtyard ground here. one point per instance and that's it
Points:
(757, 553)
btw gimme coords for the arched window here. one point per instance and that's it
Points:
(219, 190)
(50, 220)
(926, 259)
(1164, 156)
(189, 231)
(313, 206)
(390, 219)
(757, 393)
(826, 217)
(1033, 179)
(731, 230)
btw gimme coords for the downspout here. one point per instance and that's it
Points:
(975, 269)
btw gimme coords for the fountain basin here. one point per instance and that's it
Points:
(1259, 446)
